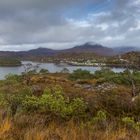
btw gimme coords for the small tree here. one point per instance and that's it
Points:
(43, 71)
(129, 71)
(29, 69)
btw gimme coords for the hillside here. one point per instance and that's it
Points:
(122, 50)
(132, 57)
(94, 48)
(41, 51)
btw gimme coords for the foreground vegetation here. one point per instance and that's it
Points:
(77, 106)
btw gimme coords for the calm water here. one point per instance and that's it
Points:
(50, 66)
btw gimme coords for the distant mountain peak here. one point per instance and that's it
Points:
(91, 47)
(88, 47)
(90, 43)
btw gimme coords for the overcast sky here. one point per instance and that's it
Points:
(57, 24)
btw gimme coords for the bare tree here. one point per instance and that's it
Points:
(130, 70)
(29, 68)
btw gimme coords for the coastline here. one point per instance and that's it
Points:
(107, 65)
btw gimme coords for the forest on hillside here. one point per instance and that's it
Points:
(12, 62)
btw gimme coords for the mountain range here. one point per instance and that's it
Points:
(87, 47)
(126, 49)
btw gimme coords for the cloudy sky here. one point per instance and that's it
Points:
(57, 24)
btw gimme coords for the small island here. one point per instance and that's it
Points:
(12, 62)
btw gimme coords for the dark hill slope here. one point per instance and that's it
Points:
(92, 48)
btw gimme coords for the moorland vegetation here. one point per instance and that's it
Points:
(39, 105)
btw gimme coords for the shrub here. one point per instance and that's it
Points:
(80, 74)
(131, 124)
(136, 106)
(32, 72)
(57, 104)
(104, 72)
(101, 116)
(54, 103)
(14, 101)
(13, 78)
(106, 75)
(117, 102)
(43, 71)
(65, 70)
(30, 103)
(78, 107)
(100, 119)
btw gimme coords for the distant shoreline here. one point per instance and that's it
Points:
(91, 65)
(106, 65)
(10, 65)
(10, 62)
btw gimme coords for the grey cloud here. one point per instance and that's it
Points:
(21, 20)
(30, 23)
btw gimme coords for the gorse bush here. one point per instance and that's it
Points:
(30, 103)
(52, 101)
(78, 107)
(55, 103)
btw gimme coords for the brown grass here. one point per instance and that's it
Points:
(62, 131)
(39, 127)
